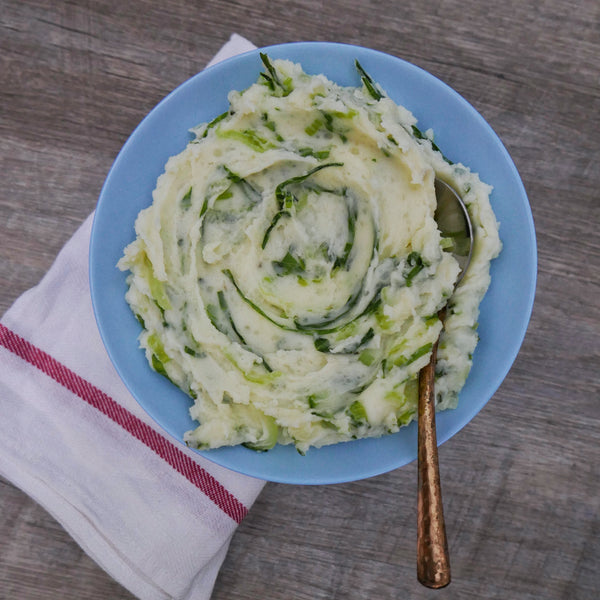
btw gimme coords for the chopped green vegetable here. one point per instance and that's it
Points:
(342, 261)
(367, 357)
(420, 136)
(192, 352)
(318, 154)
(275, 220)
(273, 79)
(402, 361)
(214, 122)
(280, 192)
(289, 264)
(326, 405)
(286, 199)
(268, 435)
(368, 82)
(253, 305)
(313, 127)
(158, 366)
(322, 344)
(186, 201)
(357, 413)
(155, 344)
(416, 264)
(157, 288)
(248, 137)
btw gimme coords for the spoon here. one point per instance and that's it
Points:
(433, 563)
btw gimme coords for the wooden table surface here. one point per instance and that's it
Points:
(521, 482)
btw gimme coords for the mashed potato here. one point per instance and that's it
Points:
(289, 271)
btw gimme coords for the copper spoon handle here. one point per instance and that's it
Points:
(433, 562)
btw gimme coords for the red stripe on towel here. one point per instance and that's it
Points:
(95, 397)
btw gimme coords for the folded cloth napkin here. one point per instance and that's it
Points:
(156, 516)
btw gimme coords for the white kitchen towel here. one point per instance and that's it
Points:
(155, 515)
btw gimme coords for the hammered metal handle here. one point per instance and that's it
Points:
(433, 562)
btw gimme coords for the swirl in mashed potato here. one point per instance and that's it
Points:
(289, 271)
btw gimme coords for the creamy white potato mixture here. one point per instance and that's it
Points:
(289, 272)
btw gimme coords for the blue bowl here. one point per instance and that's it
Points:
(462, 134)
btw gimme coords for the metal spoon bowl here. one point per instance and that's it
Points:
(433, 563)
(452, 218)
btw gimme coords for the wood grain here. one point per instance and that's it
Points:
(521, 482)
